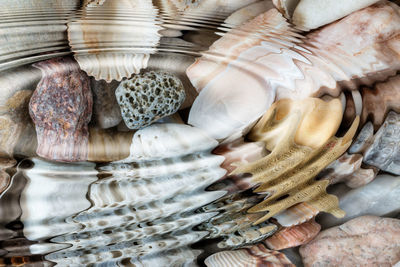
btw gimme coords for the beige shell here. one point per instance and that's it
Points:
(114, 40)
(248, 12)
(302, 144)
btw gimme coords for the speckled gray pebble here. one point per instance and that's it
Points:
(149, 97)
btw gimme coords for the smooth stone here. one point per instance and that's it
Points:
(106, 111)
(384, 153)
(381, 197)
(364, 241)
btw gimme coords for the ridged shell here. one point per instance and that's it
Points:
(249, 257)
(122, 45)
(139, 212)
(293, 236)
(279, 66)
(302, 144)
(296, 215)
(20, 44)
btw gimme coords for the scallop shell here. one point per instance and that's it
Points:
(279, 66)
(44, 38)
(122, 45)
(293, 236)
(381, 197)
(253, 256)
(138, 212)
(302, 145)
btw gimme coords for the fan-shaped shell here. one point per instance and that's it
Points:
(114, 40)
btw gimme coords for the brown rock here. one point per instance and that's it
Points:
(364, 241)
(61, 108)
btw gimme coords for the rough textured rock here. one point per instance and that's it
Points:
(61, 108)
(364, 241)
(148, 97)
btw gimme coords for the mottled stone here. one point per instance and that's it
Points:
(61, 108)
(148, 97)
(384, 153)
(364, 241)
(106, 111)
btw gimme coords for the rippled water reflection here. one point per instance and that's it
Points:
(164, 200)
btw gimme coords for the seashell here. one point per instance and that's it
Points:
(364, 241)
(143, 211)
(348, 169)
(279, 66)
(384, 153)
(176, 64)
(253, 256)
(49, 186)
(108, 145)
(311, 14)
(379, 198)
(44, 38)
(148, 97)
(296, 215)
(106, 111)
(377, 102)
(248, 12)
(293, 236)
(286, 7)
(304, 147)
(122, 45)
(62, 127)
(240, 152)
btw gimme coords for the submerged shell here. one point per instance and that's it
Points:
(148, 97)
(279, 66)
(249, 257)
(122, 45)
(44, 37)
(61, 109)
(302, 144)
(293, 236)
(142, 211)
